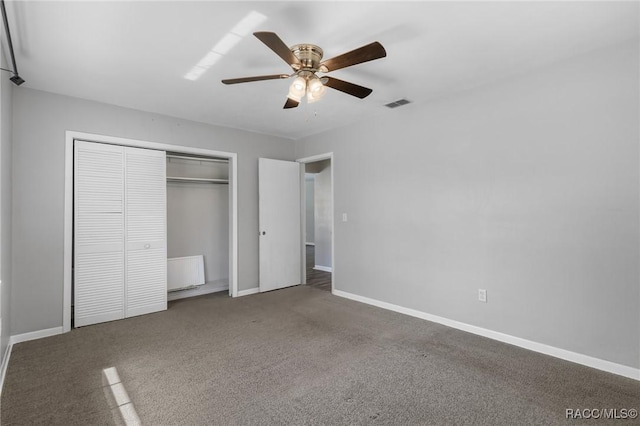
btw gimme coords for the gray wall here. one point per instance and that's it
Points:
(309, 208)
(323, 219)
(40, 120)
(6, 91)
(198, 216)
(527, 188)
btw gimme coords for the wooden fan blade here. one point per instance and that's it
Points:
(274, 43)
(291, 103)
(362, 54)
(256, 78)
(348, 88)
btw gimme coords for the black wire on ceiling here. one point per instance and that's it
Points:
(16, 79)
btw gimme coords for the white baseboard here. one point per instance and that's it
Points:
(18, 338)
(589, 361)
(309, 244)
(25, 337)
(5, 365)
(323, 268)
(249, 291)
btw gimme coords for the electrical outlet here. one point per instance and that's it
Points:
(482, 295)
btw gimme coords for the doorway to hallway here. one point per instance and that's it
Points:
(317, 221)
(315, 277)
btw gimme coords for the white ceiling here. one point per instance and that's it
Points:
(135, 54)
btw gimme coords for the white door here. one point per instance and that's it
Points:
(120, 255)
(279, 217)
(146, 230)
(98, 233)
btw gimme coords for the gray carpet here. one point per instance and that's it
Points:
(296, 356)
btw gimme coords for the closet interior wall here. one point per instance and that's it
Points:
(198, 218)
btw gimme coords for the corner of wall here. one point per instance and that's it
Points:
(6, 191)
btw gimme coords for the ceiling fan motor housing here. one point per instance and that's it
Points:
(310, 56)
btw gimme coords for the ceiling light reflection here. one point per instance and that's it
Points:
(244, 27)
(226, 43)
(248, 23)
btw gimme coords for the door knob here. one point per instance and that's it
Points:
(147, 246)
(264, 232)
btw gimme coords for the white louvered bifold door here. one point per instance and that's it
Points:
(98, 233)
(146, 231)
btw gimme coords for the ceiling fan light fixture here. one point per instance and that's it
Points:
(297, 89)
(315, 90)
(294, 97)
(299, 84)
(315, 86)
(311, 98)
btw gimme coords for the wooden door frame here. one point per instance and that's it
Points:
(303, 221)
(71, 136)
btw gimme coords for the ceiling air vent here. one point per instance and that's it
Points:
(397, 103)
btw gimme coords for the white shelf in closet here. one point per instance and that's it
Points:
(206, 159)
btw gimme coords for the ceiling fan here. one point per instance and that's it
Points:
(306, 62)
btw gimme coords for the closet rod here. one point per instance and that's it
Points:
(184, 157)
(200, 180)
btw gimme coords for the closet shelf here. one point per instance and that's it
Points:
(208, 159)
(198, 180)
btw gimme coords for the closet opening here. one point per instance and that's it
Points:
(197, 225)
